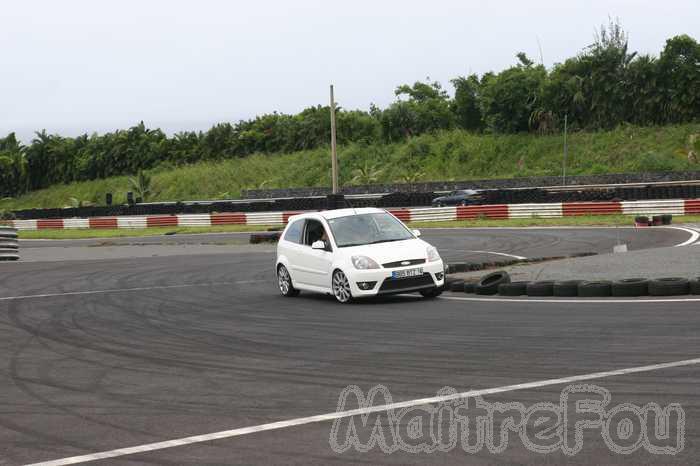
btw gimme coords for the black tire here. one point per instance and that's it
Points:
(673, 286)
(644, 220)
(431, 293)
(470, 287)
(457, 285)
(488, 284)
(340, 285)
(512, 289)
(595, 289)
(566, 288)
(667, 219)
(284, 282)
(630, 287)
(541, 288)
(695, 285)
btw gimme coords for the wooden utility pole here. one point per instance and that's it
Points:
(566, 149)
(334, 155)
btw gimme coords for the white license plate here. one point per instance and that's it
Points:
(407, 273)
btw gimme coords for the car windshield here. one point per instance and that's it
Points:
(356, 230)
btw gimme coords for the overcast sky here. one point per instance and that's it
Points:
(74, 66)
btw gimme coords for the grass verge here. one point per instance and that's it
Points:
(120, 233)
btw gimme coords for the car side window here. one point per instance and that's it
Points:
(293, 234)
(313, 232)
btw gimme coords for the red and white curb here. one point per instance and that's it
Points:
(417, 214)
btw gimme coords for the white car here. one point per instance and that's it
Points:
(353, 253)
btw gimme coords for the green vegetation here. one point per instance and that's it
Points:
(603, 87)
(444, 155)
(587, 220)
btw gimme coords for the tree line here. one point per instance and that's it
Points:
(603, 86)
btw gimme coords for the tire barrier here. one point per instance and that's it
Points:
(9, 245)
(456, 285)
(499, 283)
(272, 237)
(469, 287)
(669, 286)
(694, 286)
(663, 210)
(488, 285)
(566, 288)
(541, 288)
(630, 287)
(595, 289)
(512, 289)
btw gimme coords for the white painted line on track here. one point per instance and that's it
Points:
(694, 235)
(573, 301)
(356, 412)
(125, 290)
(492, 252)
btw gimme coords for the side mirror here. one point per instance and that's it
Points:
(416, 233)
(319, 245)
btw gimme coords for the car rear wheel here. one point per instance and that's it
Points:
(341, 287)
(284, 280)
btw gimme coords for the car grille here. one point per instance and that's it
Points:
(403, 284)
(392, 265)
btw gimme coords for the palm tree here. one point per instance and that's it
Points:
(141, 185)
(366, 174)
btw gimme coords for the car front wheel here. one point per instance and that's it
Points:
(284, 280)
(341, 287)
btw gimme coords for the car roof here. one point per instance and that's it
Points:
(336, 213)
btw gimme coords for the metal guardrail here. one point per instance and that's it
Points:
(9, 245)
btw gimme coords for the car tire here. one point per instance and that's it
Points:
(695, 286)
(488, 284)
(341, 287)
(595, 289)
(541, 288)
(284, 281)
(566, 288)
(431, 293)
(630, 287)
(512, 289)
(674, 286)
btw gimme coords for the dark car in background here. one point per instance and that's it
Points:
(459, 197)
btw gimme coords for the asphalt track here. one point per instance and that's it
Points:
(473, 244)
(99, 355)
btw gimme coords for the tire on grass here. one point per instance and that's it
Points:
(672, 286)
(595, 289)
(512, 289)
(488, 284)
(541, 288)
(630, 287)
(566, 288)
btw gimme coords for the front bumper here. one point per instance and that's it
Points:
(384, 284)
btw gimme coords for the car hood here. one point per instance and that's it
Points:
(390, 252)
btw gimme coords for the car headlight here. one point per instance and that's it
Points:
(363, 263)
(433, 255)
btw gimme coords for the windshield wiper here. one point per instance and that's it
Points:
(388, 240)
(371, 242)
